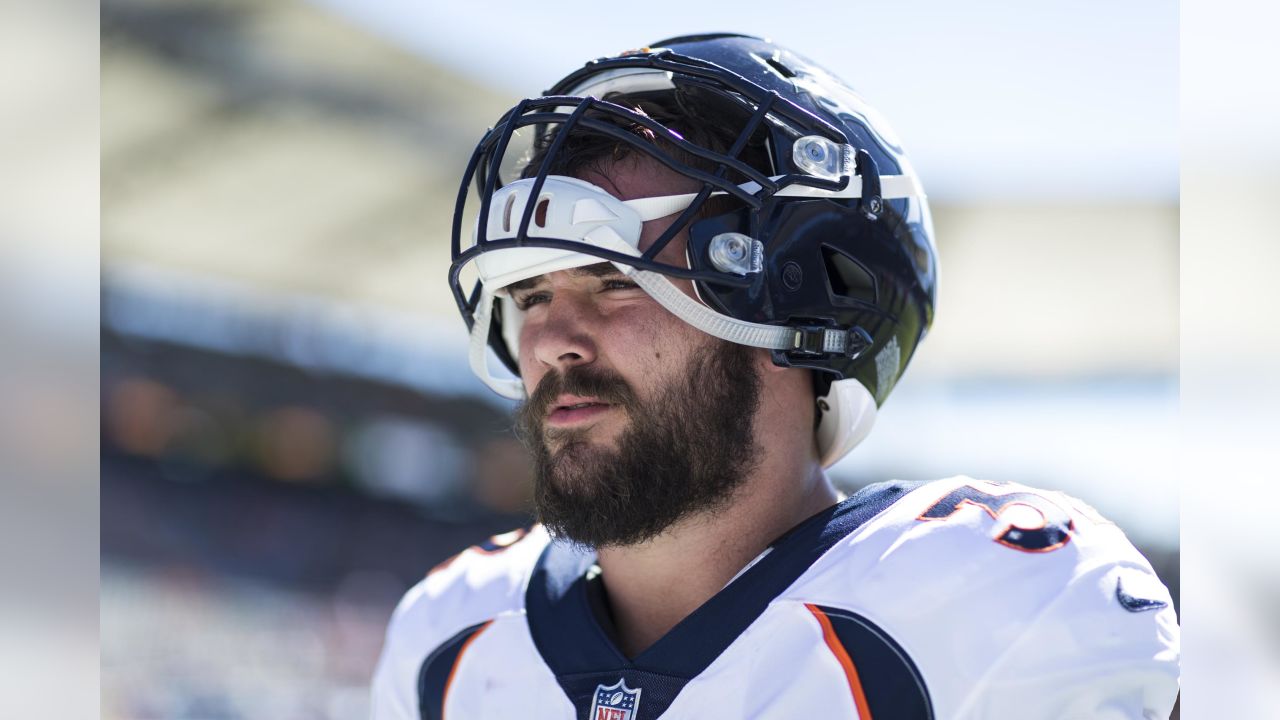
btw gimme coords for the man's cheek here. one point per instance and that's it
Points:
(530, 382)
(528, 366)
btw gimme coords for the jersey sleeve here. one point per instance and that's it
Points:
(1104, 647)
(1012, 602)
(394, 686)
(475, 586)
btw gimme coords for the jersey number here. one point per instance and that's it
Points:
(1029, 522)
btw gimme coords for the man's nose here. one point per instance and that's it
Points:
(567, 335)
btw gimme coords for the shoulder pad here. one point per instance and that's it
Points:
(1006, 594)
(479, 582)
(476, 585)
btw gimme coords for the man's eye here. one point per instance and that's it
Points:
(619, 284)
(524, 302)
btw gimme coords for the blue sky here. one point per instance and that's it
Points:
(1045, 101)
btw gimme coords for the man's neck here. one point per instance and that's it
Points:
(654, 585)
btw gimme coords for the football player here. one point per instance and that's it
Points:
(707, 262)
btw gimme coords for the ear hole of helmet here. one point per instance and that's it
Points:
(540, 212)
(847, 277)
(506, 212)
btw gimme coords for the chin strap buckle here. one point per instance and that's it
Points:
(814, 341)
(857, 341)
(808, 342)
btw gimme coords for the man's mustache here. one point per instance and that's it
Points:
(603, 385)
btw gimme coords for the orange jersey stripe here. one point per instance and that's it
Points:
(444, 697)
(846, 662)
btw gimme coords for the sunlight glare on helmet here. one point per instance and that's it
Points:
(520, 150)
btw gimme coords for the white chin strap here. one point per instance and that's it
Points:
(572, 209)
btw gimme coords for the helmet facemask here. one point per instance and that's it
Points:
(538, 218)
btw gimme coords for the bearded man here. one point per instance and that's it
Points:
(708, 265)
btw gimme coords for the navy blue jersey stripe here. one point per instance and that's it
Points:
(891, 682)
(437, 670)
(582, 655)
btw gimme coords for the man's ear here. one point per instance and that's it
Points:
(764, 362)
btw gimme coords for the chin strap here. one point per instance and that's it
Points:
(477, 353)
(801, 340)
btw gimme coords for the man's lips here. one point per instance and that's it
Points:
(573, 409)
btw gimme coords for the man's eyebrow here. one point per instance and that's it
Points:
(602, 269)
(525, 284)
(596, 270)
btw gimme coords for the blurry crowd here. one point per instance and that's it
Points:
(260, 520)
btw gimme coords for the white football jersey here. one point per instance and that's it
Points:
(956, 599)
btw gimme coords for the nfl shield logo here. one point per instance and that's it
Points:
(615, 702)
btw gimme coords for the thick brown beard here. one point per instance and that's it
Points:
(683, 453)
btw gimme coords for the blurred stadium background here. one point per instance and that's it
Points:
(290, 435)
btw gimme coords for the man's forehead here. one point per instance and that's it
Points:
(600, 269)
(639, 176)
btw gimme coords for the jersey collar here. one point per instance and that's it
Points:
(580, 652)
